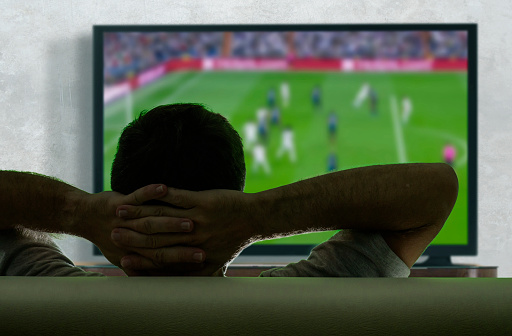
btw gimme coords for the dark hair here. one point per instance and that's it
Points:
(183, 146)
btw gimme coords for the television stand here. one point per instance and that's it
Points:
(421, 270)
(250, 270)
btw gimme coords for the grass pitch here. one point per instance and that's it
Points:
(439, 117)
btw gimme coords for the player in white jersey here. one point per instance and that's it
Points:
(362, 95)
(285, 94)
(287, 145)
(259, 156)
(406, 109)
(250, 134)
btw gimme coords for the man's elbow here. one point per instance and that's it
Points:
(449, 187)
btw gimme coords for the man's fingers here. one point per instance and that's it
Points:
(128, 211)
(150, 225)
(130, 239)
(163, 258)
(181, 198)
(147, 193)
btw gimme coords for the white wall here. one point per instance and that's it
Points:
(46, 83)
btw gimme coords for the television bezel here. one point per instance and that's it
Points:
(469, 249)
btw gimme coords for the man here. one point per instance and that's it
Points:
(316, 98)
(406, 109)
(332, 162)
(285, 94)
(262, 117)
(287, 144)
(374, 102)
(389, 214)
(332, 126)
(275, 117)
(250, 134)
(259, 159)
(271, 98)
(449, 153)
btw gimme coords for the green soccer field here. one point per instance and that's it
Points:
(439, 117)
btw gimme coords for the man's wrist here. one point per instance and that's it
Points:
(76, 211)
(257, 217)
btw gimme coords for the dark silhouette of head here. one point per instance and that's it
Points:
(183, 146)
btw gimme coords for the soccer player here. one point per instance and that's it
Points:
(406, 109)
(374, 101)
(262, 117)
(275, 118)
(259, 156)
(287, 145)
(449, 153)
(361, 95)
(285, 94)
(332, 162)
(271, 98)
(250, 134)
(316, 98)
(332, 125)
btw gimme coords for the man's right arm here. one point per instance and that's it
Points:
(390, 198)
(31, 202)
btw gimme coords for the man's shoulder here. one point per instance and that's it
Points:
(348, 253)
(29, 253)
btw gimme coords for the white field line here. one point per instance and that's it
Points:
(143, 92)
(166, 80)
(111, 143)
(166, 100)
(397, 128)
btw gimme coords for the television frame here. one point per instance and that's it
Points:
(439, 254)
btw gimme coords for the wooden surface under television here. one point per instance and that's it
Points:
(240, 270)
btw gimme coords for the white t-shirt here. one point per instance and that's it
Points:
(349, 253)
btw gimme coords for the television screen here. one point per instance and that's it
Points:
(307, 100)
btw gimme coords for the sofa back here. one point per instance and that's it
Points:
(255, 306)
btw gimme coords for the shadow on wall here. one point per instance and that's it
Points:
(69, 121)
(70, 111)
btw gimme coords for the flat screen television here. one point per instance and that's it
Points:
(350, 95)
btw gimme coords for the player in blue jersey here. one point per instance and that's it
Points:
(316, 98)
(262, 117)
(332, 125)
(275, 117)
(271, 98)
(332, 162)
(374, 101)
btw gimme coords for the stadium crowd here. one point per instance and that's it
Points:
(126, 54)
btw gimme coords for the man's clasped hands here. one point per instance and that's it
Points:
(196, 233)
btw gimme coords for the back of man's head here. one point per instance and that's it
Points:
(183, 146)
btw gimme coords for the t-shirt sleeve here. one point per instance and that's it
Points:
(28, 253)
(349, 253)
